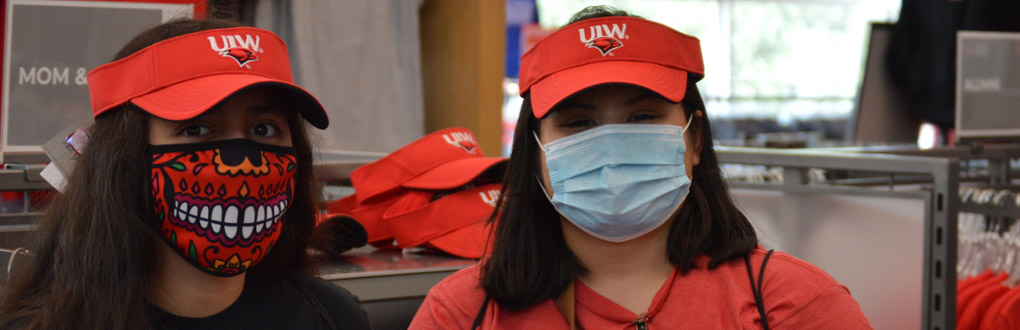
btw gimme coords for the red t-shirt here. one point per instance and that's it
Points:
(967, 282)
(976, 309)
(965, 296)
(797, 295)
(1004, 314)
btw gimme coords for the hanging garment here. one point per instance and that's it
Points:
(965, 297)
(977, 307)
(967, 282)
(1004, 313)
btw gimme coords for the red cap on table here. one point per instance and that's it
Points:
(455, 223)
(445, 159)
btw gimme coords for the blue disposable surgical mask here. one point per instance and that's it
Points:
(618, 181)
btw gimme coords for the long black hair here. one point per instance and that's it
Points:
(96, 251)
(530, 261)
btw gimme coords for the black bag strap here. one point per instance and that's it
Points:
(756, 287)
(481, 313)
(318, 305)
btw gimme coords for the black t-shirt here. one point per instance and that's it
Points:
(277, 304)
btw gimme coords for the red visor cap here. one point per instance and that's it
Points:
(447, 222)
(369, 216)
(445, 159)
(454, 173)
(183, 77)
(626, 50)
(466, 242)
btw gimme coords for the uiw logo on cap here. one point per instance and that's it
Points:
(241, 49)
(604, 38)
(490, 197)
(463, 140)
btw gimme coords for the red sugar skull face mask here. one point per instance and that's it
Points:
(219, 204)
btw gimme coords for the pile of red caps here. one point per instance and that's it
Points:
(437, 192)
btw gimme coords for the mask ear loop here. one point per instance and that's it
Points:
(689, 121)
(538, 141)
(538, 179)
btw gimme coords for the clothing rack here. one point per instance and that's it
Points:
(987, 216)
(988, 230)
(998, 204)
(988, 268)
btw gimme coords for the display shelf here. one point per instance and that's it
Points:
(22, 177)
(336, 166)
(18, 221)
(935, 180)
(376, 275)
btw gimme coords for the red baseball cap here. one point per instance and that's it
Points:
(616, 49)
(369, 216)
(182, 77)
(455, 223)
(445, 159)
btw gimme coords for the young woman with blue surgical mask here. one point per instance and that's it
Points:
(614, 212)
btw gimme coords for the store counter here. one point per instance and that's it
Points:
(391, 284)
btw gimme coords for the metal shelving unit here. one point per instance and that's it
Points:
(21, 178)
(931, 175)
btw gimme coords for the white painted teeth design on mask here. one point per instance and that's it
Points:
(246, 231)
(217, 213)
(230, 221)
(193, 214)
(252, 220)
(249, 214)
(183, 215)
(231, 216)
(204, 215)
(260, 219)
(249, 220)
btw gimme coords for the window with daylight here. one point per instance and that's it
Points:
(777, 63)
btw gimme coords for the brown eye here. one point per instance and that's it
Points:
(265, 130)
(195, 130)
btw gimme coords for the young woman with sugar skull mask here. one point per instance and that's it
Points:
(192, 204)
(614, 213)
